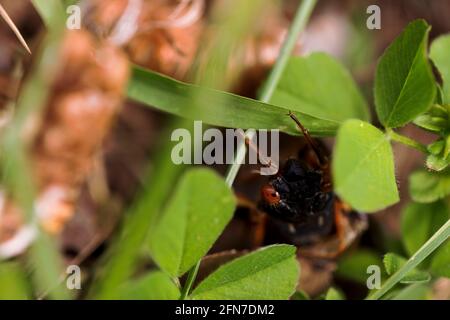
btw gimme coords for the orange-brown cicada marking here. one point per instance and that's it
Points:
(270, 195)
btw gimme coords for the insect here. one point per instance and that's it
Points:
(302, 207)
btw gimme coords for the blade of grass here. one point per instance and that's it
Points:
(431, 245)
(231, 20)
(43, 258)
(301, 18)
(298, 25)
(121, 257)
(51, 12)
(29, 105)
(47, 267)
(13, 27)
(190, 281)
(230, 110)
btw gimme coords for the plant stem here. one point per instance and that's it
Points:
(432, 244)
(301, 18)
(190, 281)
(406, 141)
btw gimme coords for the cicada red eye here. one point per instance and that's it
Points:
(270, 195)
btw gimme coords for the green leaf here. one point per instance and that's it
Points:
(334, 294)
(320, 86)
(420, 222)
(430, 123)
(393, 262)
(436, 119)
(363, 167)
(426, 186)
(13, 282)
(437, 162)
(446, 151)
(353, 266)
(404, 83)
(195, 216)
(153, 286)
(268, 273)
(436, 147)
(440, 263)
(218, 108)
(439, 53)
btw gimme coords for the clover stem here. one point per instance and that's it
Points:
(406, 141)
